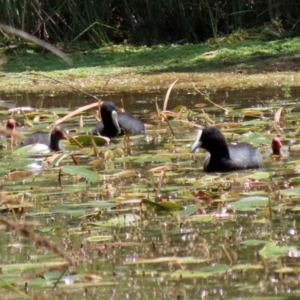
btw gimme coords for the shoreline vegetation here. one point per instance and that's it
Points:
(214, 45)
(225, 65)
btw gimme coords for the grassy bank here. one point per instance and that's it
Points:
(224, 65)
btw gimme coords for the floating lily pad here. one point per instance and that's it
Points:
(86, 140)
(99, 238)
(163, 206)
(120, 221)
(201, 218)
(190, 210)
(202, 272)
(271, 251)
(253, 242)
(250, 203)
(82, 172)
(244, 267)
(291, 192)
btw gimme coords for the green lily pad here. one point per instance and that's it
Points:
(253, 242)
(205, 272)
(163, 206)
(86, 140)
(250, 203)
(99, 238)
(271, 251)
(82, 172)
(120, 221)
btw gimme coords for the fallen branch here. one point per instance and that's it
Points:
(74, 113)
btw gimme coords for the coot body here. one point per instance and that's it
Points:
(226, 157)
(114, 124)
(51, 141)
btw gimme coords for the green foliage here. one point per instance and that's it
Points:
(144, 22)
(237, 64)
(286, 88)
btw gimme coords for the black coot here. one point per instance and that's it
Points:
(114, 124)
(51, 141)
(226, 157)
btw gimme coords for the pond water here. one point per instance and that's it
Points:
(141, 220)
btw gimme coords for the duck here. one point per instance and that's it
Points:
(116, 124)
(50, 141)
(224, 157)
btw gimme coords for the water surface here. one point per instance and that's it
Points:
(237, 237)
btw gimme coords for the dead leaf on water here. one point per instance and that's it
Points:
(164, 168)
(19, 175)
(278, 115)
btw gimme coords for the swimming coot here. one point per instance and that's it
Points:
(226, 157)
(276, 145)
(114, 124)
(51, 141)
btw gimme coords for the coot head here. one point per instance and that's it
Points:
(11, 127)
(109, 126)
(11, 124)
(56, 135)
(114, 124)
(276, 145)
(44, 141)
(225, 157)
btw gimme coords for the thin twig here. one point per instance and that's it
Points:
(95, 147)
(60, 277)
(36, 238)
(73, 113)
(211, 102)
(160, 183)
(33, 39)
(12, 287)
(66, 84)
(166, 118)
(71, 138)
(207, 118)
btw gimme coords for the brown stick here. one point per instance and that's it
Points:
(168, 95)
(37, 239)
(73, 113)
(211, 102)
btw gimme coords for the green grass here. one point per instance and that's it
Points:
(123, 65)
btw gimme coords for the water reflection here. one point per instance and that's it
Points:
(137, 101)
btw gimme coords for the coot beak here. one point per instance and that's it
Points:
(197, 144)
(64, 136)
(114, 116)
